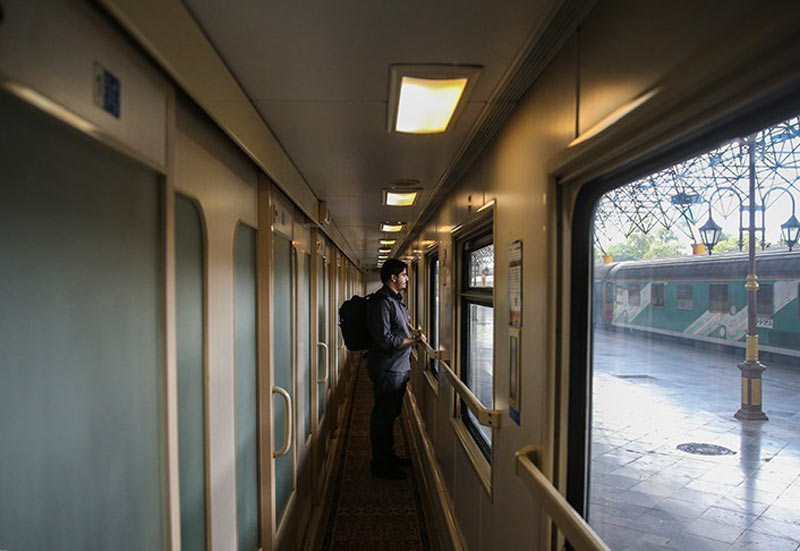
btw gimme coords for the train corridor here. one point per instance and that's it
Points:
(366, 512)
(190, 190)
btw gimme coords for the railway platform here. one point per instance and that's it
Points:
(653, 400)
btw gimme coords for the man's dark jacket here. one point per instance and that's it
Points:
(387, 319)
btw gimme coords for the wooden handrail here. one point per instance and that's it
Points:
(487, 417)
(580, 535)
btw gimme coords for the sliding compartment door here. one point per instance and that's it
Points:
(81, 342)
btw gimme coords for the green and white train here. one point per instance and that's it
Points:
(703, 299)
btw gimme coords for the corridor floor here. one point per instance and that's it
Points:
(370, 513)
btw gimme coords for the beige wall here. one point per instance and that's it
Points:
(622, 50)
(49, 50)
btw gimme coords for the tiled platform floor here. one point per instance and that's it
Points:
(645, 494)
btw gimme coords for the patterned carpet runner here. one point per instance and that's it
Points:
(373, 514)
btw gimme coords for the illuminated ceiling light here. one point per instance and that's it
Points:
(400, 198)
(428, 243)
(613, 117)
(425, 99)
(388, 242)
(384, 251)
(392, 226)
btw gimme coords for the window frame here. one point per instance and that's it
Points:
(433, 323)
(477, 234)
(577, 265)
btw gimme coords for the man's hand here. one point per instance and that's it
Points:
(420, 337)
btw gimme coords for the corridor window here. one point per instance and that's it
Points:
(477, 331)
(669, 420)
(417, 287)
(433, 309)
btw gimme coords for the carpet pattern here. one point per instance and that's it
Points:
(373, 514)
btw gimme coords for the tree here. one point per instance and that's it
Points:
(662, 243)
(730, 244)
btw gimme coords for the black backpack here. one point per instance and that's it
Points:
(353, 323)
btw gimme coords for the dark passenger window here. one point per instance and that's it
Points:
(718, 298)
(685, 297)
(765, 299)
(657, 295)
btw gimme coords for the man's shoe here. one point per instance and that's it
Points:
(389, 473)
(398, 461)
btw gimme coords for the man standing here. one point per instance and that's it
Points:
(388, 366)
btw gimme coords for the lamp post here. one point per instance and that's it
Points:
(751, 368)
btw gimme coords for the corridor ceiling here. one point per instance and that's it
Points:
(318, 73)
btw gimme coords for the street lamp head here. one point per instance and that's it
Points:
(710, 233)
(791, 231)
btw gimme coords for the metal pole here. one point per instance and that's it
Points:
(751, 368)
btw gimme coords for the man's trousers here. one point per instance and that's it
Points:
(388, 389)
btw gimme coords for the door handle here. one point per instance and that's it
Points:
(324, 346)
(287, 424)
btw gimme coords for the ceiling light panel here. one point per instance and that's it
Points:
(388, 242)
(400, 198)
(425, 99)
(390, 227)
(427, 105)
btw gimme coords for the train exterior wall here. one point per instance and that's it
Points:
(779, 329)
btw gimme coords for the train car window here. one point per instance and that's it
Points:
(433, 309)
(685, 298)
(765, 299)
(477, 331)
(718, 298)
(416, 314)
(657, 295)
(688, 442)
(634, 295)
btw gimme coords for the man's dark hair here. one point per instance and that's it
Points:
(392, 267)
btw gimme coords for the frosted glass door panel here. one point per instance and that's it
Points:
(81, 416)
(191, 385)
(282, 376)
(246, 387)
